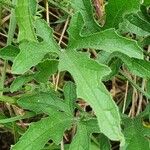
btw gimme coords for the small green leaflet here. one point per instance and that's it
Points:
(104, 143)
(81, 135)
(107, 40)
(19, 82)
(117, 9)
(41, 132)
(25, 20)
(45, 69)
(136, 135)
(87, 74)
(9, 52)
(84, 130)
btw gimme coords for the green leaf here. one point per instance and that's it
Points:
(33, 52)
(146, 3)
(41, 132)
(19, 82)
(136, 134)
(9, 52)
(84, 130)
(81, 140)
(104, 143)
(117, 9)
(107, 40)
(70, 96)
(42, 102)
(138, 67)
(85, 8)
(135, 24)
(25, 20)
(45, 70)
(87, 74)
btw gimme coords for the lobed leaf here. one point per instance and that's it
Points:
(41, 132)
(87, 74)
(107, 40)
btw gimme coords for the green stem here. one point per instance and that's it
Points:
(11, 32)
(135, 85)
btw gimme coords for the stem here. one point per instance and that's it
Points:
(11, 32)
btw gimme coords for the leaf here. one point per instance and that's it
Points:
(87, 74)
(42, 102)
(107, 40)
(104, 143)
(146, 3)
(33, 52)
(85, 8)
(70, 96)
(19, 82)
(83, 134)
(41, 132)
(9, 52)
(136, 66)
(45, 69)
(25, 20)
(136, 134)
(117, 9)
(135, 24)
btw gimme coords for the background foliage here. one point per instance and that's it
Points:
(75, 74)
